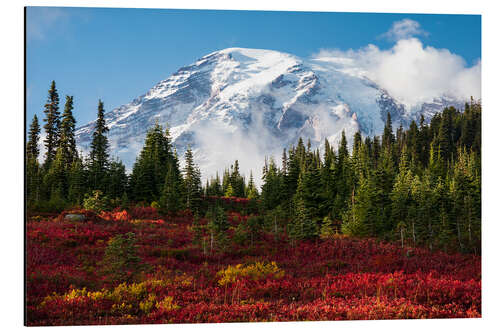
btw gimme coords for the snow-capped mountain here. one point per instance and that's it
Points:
(246, 104)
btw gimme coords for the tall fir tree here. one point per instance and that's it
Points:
(192, 182)
(445, 135)
(56, 179)
(170, 201)
(271, 187)
(343, 178)
(52, 123)
(67, 142)
(151, 166)
(117, 179)
(304, 224)
(32, 150)
(33, 172)
(388, 136)
(99, 155)
(77, 182)
(251, 189)
(237, 181)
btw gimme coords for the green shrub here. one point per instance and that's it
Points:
(327, 230)
(97, 202)
(241, 234)
(120, 260)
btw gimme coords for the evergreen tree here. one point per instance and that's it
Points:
(444, 137)
(56, 179)
(271, 187)
(33, 172)
(357, 143)
(466, 197)
(388, 136)
(67, 141)
(170, 200)
(52, 123)
(77, 182)
(327, 229)
(328, 181)
(403, 207)
(33, 181)
(237, 181)
(32, 150)
(218, 226)
(151, 166)
(99, 156)
(192, 182)
(382, 181)
(252, 192)
(304, 224)
(376, 151)
(360, 217)
(229, 191)
(343, 178)
(413, 143)
(214, 186)
(117, 180)
(290, 179)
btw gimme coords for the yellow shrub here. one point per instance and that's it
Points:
(158, 283)
(135, 290)
(255, 271)
(121, 308)
(167, 304)
(148, 304)
(184, 280)
(99, 295)
(75, 293)
(128, 298)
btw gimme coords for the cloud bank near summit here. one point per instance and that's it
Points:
(409, 71)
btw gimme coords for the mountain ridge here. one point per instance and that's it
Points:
(246, 104)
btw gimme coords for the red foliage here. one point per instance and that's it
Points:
(336, 279)
(116, 215)
(144, 213)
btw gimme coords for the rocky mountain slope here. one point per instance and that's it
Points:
(247, 104)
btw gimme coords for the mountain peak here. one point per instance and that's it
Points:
(247, 104)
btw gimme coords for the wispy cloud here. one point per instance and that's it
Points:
(404, 29)
(40, 20)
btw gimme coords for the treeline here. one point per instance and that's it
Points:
(420, 186)
(66, 178)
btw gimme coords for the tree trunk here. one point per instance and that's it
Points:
(459, 235)
(402, 238)
(413, 231)
(211, 241)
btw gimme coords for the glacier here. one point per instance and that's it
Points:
(248, 104)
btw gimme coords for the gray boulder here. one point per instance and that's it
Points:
(75, 217)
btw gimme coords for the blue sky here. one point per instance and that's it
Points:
(118, 54)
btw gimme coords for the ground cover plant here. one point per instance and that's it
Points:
(166, 272)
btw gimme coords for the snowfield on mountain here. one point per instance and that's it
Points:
(248, 104)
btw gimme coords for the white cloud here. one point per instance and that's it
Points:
(404, 29)
(411, 72)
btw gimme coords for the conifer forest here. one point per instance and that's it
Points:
(388, 227)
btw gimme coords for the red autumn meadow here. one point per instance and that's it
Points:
(179, 280)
